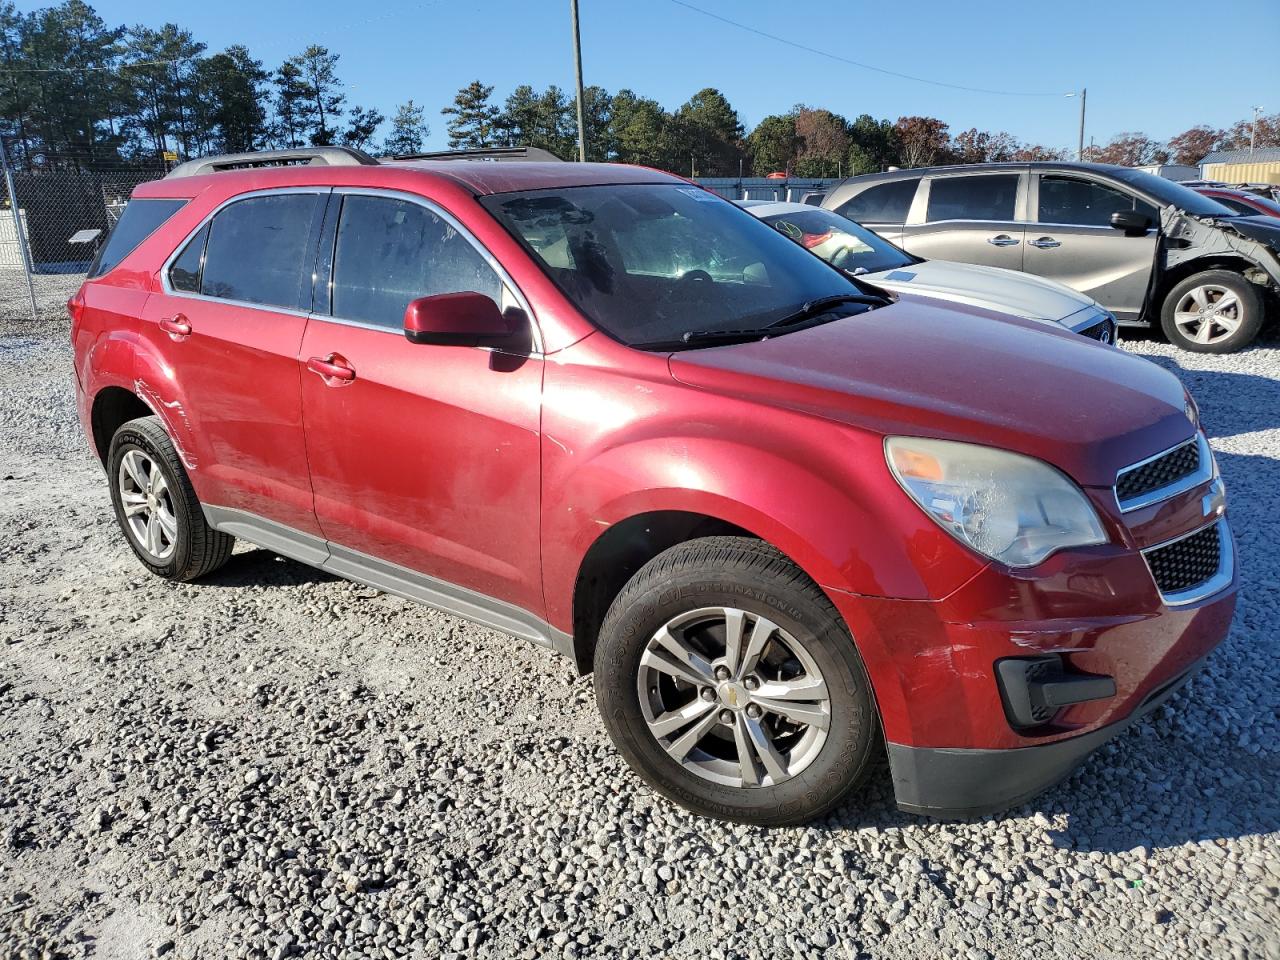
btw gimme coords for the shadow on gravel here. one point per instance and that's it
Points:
(263, 568)
(1231, 403)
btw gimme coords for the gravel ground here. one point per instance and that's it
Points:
(276, 763)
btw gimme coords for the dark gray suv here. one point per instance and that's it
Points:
(1146, 248)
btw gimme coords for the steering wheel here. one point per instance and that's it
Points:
(686, 282)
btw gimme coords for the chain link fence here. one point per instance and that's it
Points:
(51, 225)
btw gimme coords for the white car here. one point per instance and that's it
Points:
(856, 250)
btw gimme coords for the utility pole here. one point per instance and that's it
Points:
(1084, 94)
(577, 66)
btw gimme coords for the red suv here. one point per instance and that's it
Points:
(785, 517)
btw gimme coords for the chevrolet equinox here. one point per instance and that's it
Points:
(788, 518)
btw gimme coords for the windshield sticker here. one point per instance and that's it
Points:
(903, 275)
(703, 196)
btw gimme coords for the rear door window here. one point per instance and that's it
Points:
(883, 203)
(389, 252)
(184, 273)
(260, 250)
(1085, 203)
(139, 220)
(987, 197)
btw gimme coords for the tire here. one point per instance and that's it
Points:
(186, 547)
(1238, 326)
(687, 590)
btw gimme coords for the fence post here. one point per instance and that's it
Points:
(17, 229)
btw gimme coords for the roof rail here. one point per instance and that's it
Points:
(297, 156)
(485, 153)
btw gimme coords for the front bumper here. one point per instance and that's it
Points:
(950, 783)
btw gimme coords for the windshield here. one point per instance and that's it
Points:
(650, 263)
(1166, 191)
(839, 241)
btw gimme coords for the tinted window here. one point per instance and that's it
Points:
(184, 273)
(991, 197)
(650, 262)
(839, 241)
(1167, 192)
(258, 251)
(139, 221)
(389, 252)
(883, 203)
(1085, 203)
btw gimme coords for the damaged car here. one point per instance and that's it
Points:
(1149, 250)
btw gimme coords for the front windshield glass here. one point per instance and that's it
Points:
(1166, 191)
(839, 241)
(649, 263)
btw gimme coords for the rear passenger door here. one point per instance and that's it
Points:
(230, 322)
(882, 207)
(427, 456)
(1072, 241)
(971, 218)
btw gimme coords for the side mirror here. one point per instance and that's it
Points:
(1130, 221)
(457, 320)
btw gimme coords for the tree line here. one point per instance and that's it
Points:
(76, 93)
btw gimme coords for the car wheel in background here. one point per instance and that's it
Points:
(1217, 311)
(728, 681)
(156, 506)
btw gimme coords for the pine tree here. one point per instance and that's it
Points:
(362, 124)
(409, 130)
(475, 119)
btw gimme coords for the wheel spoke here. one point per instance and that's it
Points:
(680, 748)
(1204, 331)
(811, 714)
(1227, 301)
(683, 654)
(1201, 297)
(132, 507)
(1184, 318)
(674, 720)
(153, 533)
(760, 635)
(663, 662)
(158, 483)
(801, 688)
(168, 524)
(774, 765)
(134, 469)
(746, 753)
(734, 624)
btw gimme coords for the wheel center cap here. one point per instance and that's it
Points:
(733, 695)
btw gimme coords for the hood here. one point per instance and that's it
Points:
(922, 368)
(1262, 228)
(993, 288)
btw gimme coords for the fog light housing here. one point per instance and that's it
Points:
(1034, 689)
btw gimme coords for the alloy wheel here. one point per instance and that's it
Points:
(733, 697)
(1208, 314)
(147, 503)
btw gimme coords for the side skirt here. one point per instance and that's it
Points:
(389, 577)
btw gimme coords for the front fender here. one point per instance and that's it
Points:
(837, 512)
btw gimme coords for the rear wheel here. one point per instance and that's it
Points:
(727, 680)
(1217, 311)
(156, 506)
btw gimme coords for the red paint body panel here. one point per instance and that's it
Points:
(429, 458)
(498, 472)
(1260, 205)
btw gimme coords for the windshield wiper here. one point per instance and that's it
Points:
(814, 308)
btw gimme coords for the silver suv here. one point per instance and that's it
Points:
(1146, 248)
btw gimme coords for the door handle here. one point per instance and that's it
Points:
(1002, 240)
(178, 327)
(333, 369)
(1044, 243)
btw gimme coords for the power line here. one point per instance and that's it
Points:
(856, 63)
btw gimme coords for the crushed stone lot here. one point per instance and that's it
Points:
(275, 763)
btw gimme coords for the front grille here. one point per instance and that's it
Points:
(1188, 562)
(1167, 469)
(1103, 332)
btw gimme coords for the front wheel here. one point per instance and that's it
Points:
(727, 680)
(1217, 311)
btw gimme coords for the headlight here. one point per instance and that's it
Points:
(1008, 507)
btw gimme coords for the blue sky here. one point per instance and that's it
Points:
(1138, 59)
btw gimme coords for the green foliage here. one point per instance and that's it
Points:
(409, 130)
(772, 145)
(362, 124)
(475, 120)
(231, 84)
